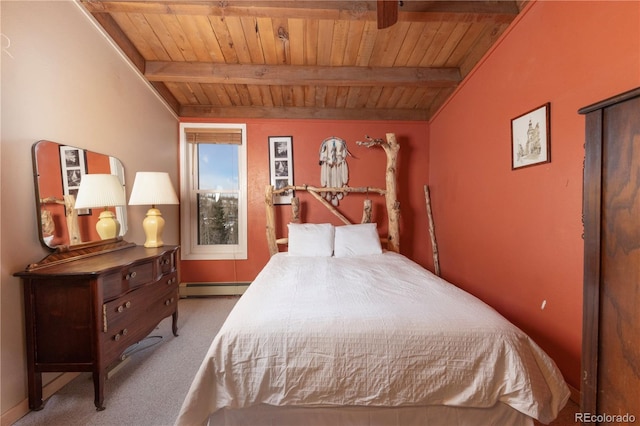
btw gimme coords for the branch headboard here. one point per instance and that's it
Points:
(391, 148)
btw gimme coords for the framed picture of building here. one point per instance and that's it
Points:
(530, 139)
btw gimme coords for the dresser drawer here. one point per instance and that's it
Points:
(132, 317)
(167, 263)
(133, 328)
(134, 303)
(116, 283)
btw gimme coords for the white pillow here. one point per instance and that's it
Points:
(311, 239)
(357, 240)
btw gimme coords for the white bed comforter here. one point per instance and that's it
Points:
(368, 331)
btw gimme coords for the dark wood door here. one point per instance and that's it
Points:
(611, 341)
(619, 349)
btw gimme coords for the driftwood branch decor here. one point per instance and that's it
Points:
(366, 211)
(271, 221)
(432, 232)
(391, 148)
(73, 228)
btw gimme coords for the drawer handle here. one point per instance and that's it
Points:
(171, 281)
(130, 275)
(122, 307)
(165, 261)
(168, 301)
(121, 334)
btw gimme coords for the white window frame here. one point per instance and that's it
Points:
(190, 249)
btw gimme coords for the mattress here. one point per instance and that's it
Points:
(368, 331)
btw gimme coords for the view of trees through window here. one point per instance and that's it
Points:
(217, 193)
(218, 219)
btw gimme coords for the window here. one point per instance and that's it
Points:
(213, 191)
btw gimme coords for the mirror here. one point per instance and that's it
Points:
(58, 170)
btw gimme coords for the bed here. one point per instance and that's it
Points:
(341, 331)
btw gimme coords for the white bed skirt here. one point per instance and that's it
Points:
(259, 415)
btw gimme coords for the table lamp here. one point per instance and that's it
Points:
(153, 188)
(102, 191)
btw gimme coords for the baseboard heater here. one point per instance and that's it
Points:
(212, 289)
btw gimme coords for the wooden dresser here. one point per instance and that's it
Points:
(611, 300)
(85, 307)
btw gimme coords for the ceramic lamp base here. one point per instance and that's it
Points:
(108, 226)
(153, 226)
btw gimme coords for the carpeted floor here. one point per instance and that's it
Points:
(161, 366)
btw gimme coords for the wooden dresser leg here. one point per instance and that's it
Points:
(98, 388)
(35, 390)
(174, 323)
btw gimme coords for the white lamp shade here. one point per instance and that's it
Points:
(100, 190)
(152, 188)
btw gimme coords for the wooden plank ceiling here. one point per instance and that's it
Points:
(304, 58)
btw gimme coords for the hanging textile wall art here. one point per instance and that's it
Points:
(334, 172)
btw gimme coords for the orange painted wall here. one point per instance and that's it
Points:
(50, 186)
(514, 238)
(366, 168)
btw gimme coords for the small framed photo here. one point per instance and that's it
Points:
(281, 166)
(530, 139)
(73, 166)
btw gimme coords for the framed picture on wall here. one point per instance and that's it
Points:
(281, 166)
(73, 166)
(530, 139)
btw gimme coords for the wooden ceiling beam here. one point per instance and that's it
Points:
(166, 94)
(387, 12)
(202, 111)
(120, 38)
(201, 72)
(410, 11)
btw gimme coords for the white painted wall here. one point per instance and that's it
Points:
(63, 80)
